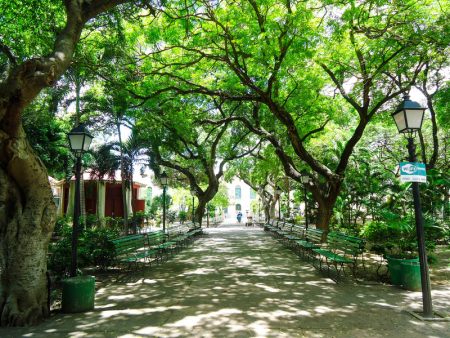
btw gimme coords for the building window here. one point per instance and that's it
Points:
(252, 194)
(238, 193)
(238, 207)
(225, 210)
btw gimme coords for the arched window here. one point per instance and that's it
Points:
(252, 194)
(238, 207)
(238, 193)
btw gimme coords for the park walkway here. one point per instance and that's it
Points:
(240, 282)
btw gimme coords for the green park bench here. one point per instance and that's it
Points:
(175, 234)
(284, 230)
(277, 229)
(195, 229)
(269, 225)
(157, 240)
(273, 226)
(259, 221)
(297, 233)
(186, 231)
(131, 249)
(341, 249)
(313, 240)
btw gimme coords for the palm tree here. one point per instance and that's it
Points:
(132, 153)
(105, 164)
(116, 107)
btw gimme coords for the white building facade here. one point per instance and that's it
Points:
(241, 196)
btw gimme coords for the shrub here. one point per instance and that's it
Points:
(376, 232)
(182, 216)
(140, 216)
(93, 250)
(60, 224)
(91, 222)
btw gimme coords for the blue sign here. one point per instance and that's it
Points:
(413, 172)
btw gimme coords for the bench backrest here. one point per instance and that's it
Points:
(279, 224)
(298, 230)
(184, 229)
(315, 235)
(289, 226)
(348, 244)
(124, 245)
(156, 237)
(173, 232)
(193, 226)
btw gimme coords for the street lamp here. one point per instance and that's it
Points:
(79, 140)
(193, 193)
(408, 117)
(279, 191)
(164, 179)
(305, 178)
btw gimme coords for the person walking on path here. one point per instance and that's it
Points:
(239, 217)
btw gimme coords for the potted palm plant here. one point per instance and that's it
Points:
(402, 246)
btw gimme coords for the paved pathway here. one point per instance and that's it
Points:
(240, 282)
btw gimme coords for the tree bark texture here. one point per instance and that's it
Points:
(27, 210)
(204, 198)
(326, 201)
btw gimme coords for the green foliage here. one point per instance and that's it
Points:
(376, 232)
(47, 135)
(182, 215)
(93, 249)
(140, 216)
(91, 222)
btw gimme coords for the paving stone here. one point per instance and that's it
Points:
(241, 282)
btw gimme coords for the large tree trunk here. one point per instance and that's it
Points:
(27, 219)
(27, 210)
(273, 207)
(204, 198)
(266, 204)
(326, 204)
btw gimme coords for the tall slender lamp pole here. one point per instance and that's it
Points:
(79, 140)
(305, 178)
(193, 193)
(164, 181)
(279, 191)
(408, 117)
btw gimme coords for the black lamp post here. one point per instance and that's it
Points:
(79, 140)
(305, 178)
(279, 191)
(164, 179)
(408, 117)
(193, 193)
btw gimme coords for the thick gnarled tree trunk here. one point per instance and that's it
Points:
(325, 200)
(27, 210)
(204, 199)
(27, 214)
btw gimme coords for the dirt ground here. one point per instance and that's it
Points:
(440, 272)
